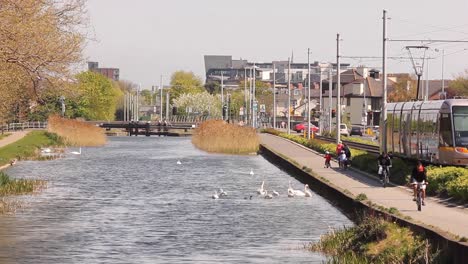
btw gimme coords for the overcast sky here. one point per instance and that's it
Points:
(149, 38)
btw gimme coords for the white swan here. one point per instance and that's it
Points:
(290, 190)
(178, 162)
(46, 150)
(295, 192)
(215, 195)
(260, 190)
(267, 195)
(251, 172)
(222, 193)
(76, 152)
(307, 191)
(275, 193)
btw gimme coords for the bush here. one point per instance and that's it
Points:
(271, 131)
(440, 177)
(458, 187)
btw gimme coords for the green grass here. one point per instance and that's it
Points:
(361, 197)
(10, 186)
(28, 147)
(375, 241)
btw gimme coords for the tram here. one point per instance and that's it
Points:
(432, 131)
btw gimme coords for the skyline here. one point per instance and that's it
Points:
(147, 39)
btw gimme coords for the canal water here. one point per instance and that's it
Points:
(131, 202)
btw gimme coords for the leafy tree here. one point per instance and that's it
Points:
(459, 86)
(185, 83)
(98, 97)
(147, 97)
(199, 103)
(403, 90)
(213, 87)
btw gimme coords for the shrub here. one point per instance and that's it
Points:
(271, 131)
(458, 187)
(439, 177)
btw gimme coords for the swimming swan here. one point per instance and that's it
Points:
(260, 190)
(307, 191)
(76, 152)
(251, 172)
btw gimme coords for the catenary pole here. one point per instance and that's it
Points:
(320, 102)
(274, 96)
(338, 84)
(330, 98)
(384, 84)
(308, 93)
(289, 96)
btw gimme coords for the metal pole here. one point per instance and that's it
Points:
(289, 96)
(443, 88)
(250, 97)
(320, 102)
(274, 96)
(384, 85)
(125, 107)
(245, 96)
(308, 93)
(330, 92)
(222, 96)
(254, 112)
(161, 106)
(338, 84)
(167, 105)
(426, 92)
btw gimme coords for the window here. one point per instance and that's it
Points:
(445, 139)
(460, 124)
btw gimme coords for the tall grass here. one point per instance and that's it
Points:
(10, 186)
(75, 132)
(375, 240)
(220, 137)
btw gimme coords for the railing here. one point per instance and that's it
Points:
(25, 125)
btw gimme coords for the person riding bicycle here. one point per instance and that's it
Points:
(328, 157)
(384, 162)
(419, 176)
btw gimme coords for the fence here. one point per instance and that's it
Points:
(25, 125)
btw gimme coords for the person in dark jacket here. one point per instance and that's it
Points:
(419, 176)
(384, 163)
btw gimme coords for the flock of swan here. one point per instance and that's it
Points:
(262, 192)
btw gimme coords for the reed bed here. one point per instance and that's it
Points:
(10, 186)
(220, 137)
(75, 132)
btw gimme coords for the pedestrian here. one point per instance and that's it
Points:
(347, 151)
(327, 159)
(339, 148)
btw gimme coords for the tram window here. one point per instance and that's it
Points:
(460, 123)
(445, 131)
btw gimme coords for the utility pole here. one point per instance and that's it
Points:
(167, 105)
(443, 88)
(245, 96)
(289, 96)
(250, 98)
(330, 98)
(338, 84)
(320, 103)
(308, 93)
(138, 104)
(254, 112)
(274, 96)
(222, 96)
(125, 107)
(161, 106)
(384, 85)
(426, 92)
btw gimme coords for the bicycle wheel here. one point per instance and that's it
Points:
(419, 200)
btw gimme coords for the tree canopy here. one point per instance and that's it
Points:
(185, 83)
(459, 86)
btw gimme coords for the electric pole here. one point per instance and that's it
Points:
(338, 84)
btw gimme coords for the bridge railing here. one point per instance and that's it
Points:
(24, 125)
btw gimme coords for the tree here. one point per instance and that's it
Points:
(40, 42)
(199, 103)
(147, 97)
(98, 97)
(185, 83)
(403, 90)
(459, 86)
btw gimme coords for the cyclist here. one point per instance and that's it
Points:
(419, 176)
(384, 162)
(327, 159)
(342, 159)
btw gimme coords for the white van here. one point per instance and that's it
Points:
(344, 131)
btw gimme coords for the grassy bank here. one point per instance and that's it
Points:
(375, 240)
(444, 181)
(28, 147)
(220, 137)
(75, 132)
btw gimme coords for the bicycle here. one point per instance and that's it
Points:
(385, 175)
(419, 198)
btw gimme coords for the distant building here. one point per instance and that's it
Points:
(111, 73)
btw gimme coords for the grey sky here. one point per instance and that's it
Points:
(149, 38)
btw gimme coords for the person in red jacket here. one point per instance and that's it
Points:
(327, 159)
(339, 148)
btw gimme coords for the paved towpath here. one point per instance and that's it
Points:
(450, 219)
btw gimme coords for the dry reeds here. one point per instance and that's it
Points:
(75, 132)
(221, 137)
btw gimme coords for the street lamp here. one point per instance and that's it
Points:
(443, 57)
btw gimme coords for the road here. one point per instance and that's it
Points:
(450, 219)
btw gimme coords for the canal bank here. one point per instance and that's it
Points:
(437, 222)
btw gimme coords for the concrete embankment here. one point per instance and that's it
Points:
(338, 193)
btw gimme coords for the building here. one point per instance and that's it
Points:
(111, 73)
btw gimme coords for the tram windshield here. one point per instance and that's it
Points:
(460, 123)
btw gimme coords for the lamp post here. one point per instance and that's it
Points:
(443, 57)
(308, 93)
(161, 95)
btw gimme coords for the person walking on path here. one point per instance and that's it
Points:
(339, 148)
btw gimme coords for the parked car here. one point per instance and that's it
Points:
(344, 130)
(303, 126)
(357, 130)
